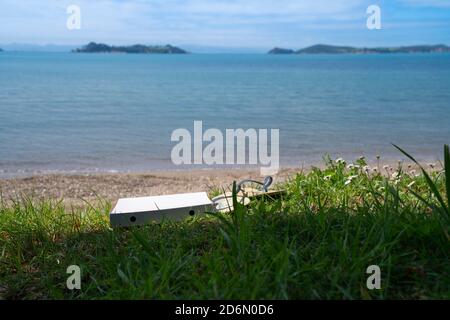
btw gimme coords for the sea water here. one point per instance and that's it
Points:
(115, 112)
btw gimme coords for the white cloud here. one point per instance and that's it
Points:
(428, 3)
(151, 20)
(206, 22)
(261, 7)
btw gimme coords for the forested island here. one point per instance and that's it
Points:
(93, 47)
(323, 48)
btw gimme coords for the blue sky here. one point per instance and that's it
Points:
(245, 24)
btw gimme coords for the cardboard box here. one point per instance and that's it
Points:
(142, 210)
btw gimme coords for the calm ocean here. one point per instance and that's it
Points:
(97, 112)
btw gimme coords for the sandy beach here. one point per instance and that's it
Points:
(75, 189)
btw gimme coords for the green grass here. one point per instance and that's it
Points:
(315, 242)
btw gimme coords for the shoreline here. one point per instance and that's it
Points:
(6, 174)
(77, 188)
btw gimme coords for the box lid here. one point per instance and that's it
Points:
(156, 203)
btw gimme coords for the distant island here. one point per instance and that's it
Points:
(281, 51)
(323, 48)
(93, 47)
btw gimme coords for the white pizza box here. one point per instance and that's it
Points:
(141, 210)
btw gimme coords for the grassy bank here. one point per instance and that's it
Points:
(315, 242)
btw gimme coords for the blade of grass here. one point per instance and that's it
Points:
(428, 179)
(447, 171)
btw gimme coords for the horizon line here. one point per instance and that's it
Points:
(203, 48)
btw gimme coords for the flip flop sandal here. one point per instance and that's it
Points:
(224, 203)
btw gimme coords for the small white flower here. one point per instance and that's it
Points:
(349, 180)
(366, 168)
(327, 178)
(386, 168)
(395, 175)
(374, 169)
(432, 165)
(350, 166)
